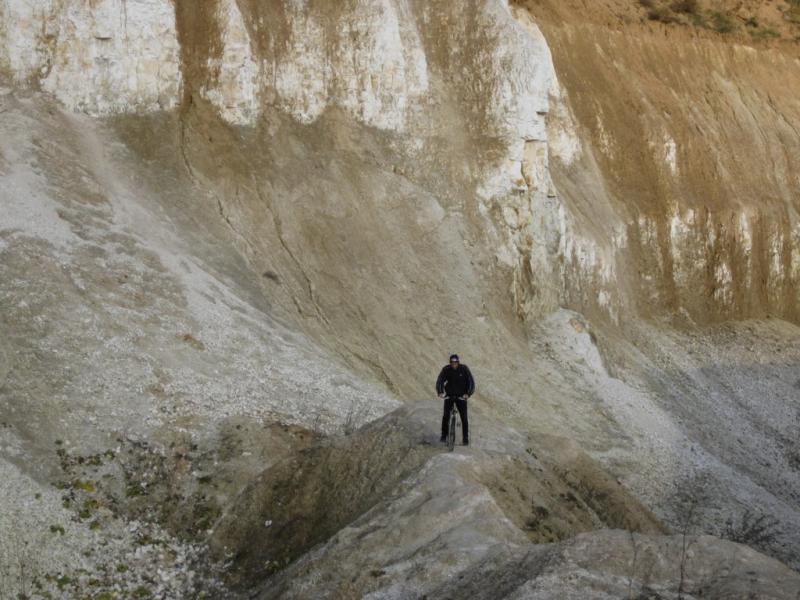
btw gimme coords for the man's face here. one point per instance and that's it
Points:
(454, 364)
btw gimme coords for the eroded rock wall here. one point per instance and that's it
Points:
(654, 173)
(694, 142)
(472, 91)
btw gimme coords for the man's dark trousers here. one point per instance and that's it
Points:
(461, 405)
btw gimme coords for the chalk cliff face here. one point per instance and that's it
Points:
(260, 223)
(403, 67)
(684, 230)
(100, 57)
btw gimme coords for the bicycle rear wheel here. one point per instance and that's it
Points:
(451, 432)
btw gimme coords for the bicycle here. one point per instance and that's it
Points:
(455, 424)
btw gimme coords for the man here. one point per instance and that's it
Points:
(455, 384)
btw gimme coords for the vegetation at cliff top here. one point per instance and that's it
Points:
(695, 13)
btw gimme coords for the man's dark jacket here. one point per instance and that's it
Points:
(455, 382)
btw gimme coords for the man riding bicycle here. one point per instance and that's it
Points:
(455, 385)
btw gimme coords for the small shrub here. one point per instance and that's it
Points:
(647, 3)
(793, 14)
(661, 14)
(351, 418)
(688, 7)
(698, 20)
(134, 489)
(765, 33)
(85, 486)
(756, 530)
(721, 23)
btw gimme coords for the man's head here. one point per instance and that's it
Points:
(454, 361)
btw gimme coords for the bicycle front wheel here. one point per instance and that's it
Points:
(451, 432)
